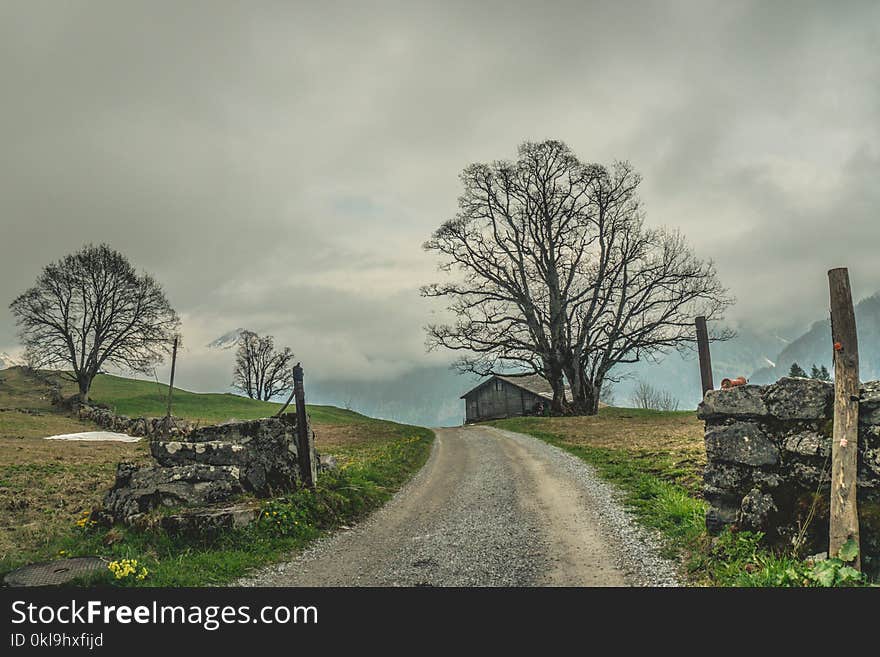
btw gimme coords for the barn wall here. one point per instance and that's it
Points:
(497, 399)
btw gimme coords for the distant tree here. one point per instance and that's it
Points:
(798, 371)
(92, 309)
(647, 396)
(261, 372)
(820, 373)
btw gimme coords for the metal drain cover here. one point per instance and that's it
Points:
(53, 573)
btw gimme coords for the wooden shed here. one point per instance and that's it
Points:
(507, 396)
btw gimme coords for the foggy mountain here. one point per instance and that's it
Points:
(426, 396)
(814, 346)
(226, 341)
(8, 360)
(679, 374)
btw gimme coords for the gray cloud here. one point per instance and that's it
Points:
(277, 165)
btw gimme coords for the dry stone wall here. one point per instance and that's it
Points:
(148, 427)
(768, 453)
(208, 466)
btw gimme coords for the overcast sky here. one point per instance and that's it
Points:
(278, 165)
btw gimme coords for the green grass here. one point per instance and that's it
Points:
(134, 397)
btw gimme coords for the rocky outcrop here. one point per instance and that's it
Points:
(768, 452)
(209, 466)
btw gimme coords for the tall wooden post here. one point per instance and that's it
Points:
(171, 385)
(705, 356)
(844, 520)
(305, 441)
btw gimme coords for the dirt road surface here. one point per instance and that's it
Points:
(490, 508)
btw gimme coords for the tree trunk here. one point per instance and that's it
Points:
(557, 382)
(588, 402)
(85, 384)
(575, 387)
(584, 394)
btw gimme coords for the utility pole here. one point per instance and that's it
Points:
(171, 385)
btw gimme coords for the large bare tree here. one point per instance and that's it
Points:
(261, 372)
(91, 309)
(558, 274)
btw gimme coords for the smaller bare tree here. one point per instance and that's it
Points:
(261, 372)
(647, 396)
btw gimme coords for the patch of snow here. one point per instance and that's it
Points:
(769, 362)
(96, 436)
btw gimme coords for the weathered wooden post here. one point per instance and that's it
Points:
(844, 520)
(705, 356)
(305, 442)
(171, 386)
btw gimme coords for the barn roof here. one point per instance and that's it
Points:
(534, 383)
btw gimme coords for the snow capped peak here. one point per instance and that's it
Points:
(8, 360)
(227, 340)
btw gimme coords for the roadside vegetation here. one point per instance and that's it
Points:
(48, 487)
(656, 458)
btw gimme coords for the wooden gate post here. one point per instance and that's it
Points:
(844, 520)
(705, 356)
(305, 441)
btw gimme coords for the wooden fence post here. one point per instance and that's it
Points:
(171, 386)
(305, 442)
(844, 520)
(705, 356)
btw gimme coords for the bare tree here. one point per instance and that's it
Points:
(559, 276)
(647, 396)
(92, 309)
(261, 372)
(607, 394)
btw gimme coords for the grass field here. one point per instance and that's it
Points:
(46, 485)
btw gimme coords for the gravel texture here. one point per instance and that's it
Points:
(490, 508)
(636, 549)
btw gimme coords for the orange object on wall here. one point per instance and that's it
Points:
(726, 384)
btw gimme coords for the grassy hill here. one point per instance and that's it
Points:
(136, 397)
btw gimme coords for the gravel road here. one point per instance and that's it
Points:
(490, 508)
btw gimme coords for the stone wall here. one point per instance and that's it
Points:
(768, 452)
(148, 427)
(211, 465)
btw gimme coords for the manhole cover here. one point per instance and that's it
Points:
(53, 573)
